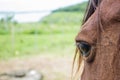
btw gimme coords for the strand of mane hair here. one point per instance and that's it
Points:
(91, 7)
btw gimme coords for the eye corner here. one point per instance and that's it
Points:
(87, 50)
(84, 48)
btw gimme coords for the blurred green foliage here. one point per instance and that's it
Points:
(54, 34)
(74, 8)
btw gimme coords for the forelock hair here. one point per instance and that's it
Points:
(91, 7)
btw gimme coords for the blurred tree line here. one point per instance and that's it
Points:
(69, 16)
(74, 8)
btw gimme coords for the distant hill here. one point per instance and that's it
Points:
(67, 15)
(78, 7)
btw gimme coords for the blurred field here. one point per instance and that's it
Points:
(49, 53)
(48, 49)
(51, 44)
(47, 46)
(21, 39)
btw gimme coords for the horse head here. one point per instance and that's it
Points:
(98, 42)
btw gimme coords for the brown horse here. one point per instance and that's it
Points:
(98, 42)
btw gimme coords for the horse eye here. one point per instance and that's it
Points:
(84, 48)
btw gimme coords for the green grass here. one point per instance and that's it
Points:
(44, 28)
(54, 35)
(39, 38)
(23, 45)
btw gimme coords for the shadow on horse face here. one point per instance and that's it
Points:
(98, 42)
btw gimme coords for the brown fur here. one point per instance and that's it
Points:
(102, 30)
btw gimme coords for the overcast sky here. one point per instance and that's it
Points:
(33, 5)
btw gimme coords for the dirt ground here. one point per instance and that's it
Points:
(52, 68)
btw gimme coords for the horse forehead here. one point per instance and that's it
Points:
(109, 10)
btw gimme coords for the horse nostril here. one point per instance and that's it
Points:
(84, 48)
